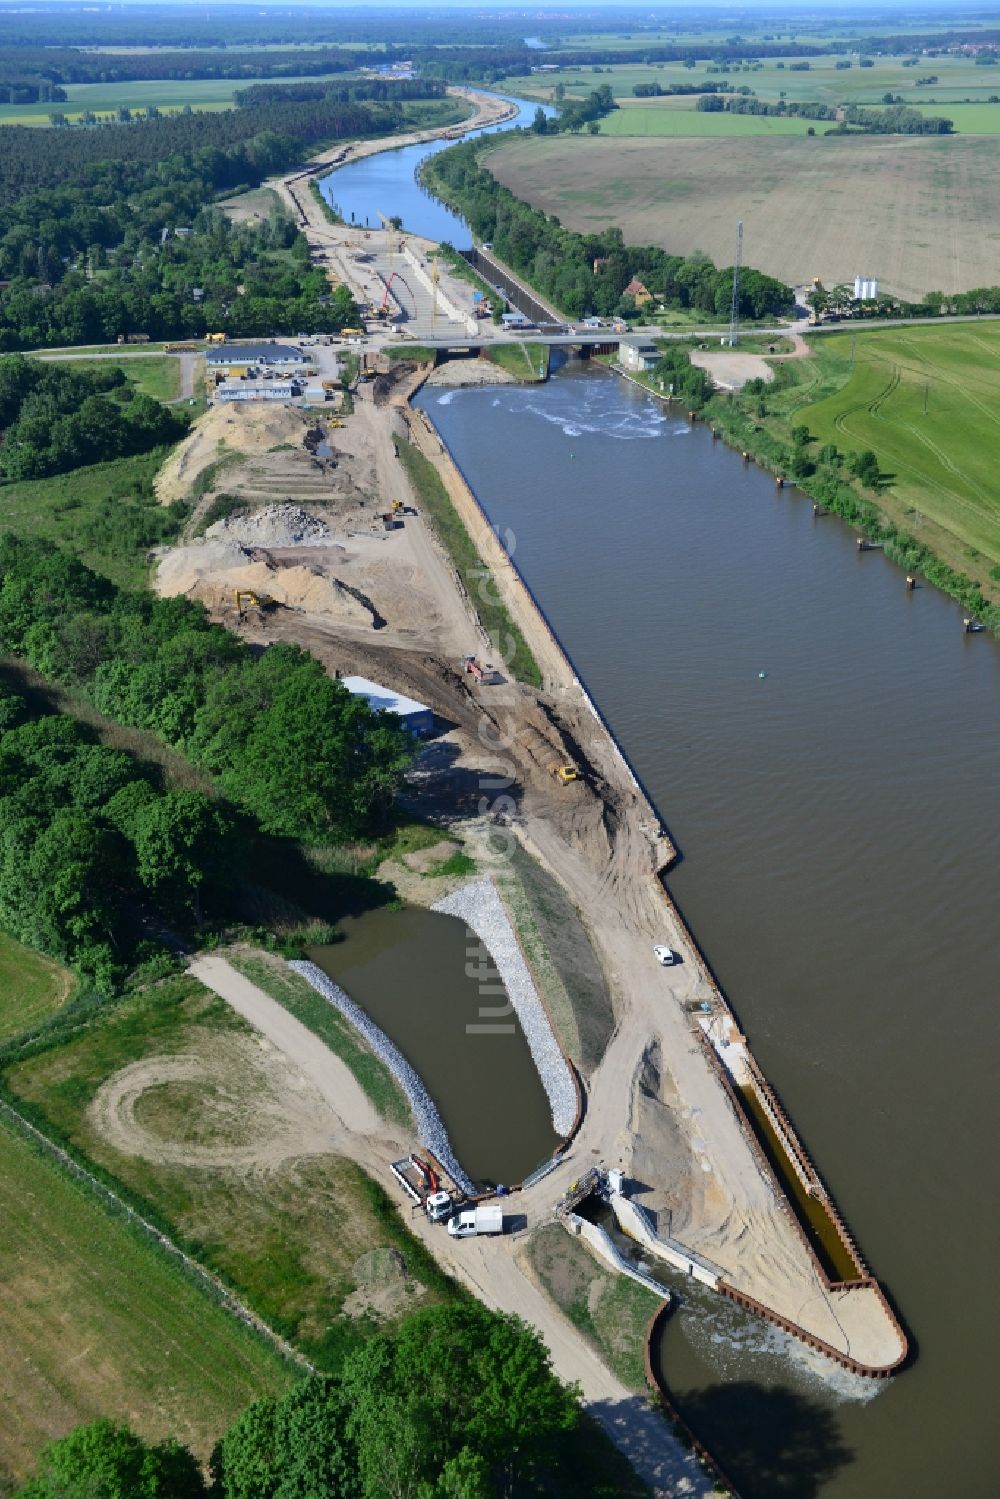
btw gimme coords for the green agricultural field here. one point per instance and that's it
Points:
(95, 1322)
(167, 94)
(927, 401)
(644, 121)
(969, 119)
(823, 82)
(31, 986)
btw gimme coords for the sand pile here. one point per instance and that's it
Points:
(212, 570)
(273, 527)
(245, 429)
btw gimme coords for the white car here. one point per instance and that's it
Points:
(664, 955)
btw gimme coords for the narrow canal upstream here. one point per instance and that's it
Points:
(837, 818)
(387, 183)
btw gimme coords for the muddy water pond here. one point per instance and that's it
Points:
(432, 988)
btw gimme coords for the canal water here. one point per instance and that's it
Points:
(432, 987)
(386, 183)
(823, 747)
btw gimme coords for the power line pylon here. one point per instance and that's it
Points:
(734, 311)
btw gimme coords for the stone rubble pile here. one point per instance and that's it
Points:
(478, 904)
(430, 1126)
(275, 526)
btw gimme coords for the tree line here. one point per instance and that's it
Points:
(293, 752)
(897, 120)
(575, 113)
(588, 273)
(458, 1403)
(54, 418)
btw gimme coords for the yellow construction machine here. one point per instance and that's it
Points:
(565, 774)
(247, 597)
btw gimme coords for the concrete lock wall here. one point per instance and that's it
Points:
(447, 306)
(633, 1220)
(605, 1248)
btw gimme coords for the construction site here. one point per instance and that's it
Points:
(309, 530)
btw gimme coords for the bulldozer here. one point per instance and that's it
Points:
(565, 774)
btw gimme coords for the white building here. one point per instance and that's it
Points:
(417, 717)
(278, 355)
(257, 390)
(638, 354)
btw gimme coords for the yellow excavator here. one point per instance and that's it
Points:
(565, 774)
(247, 597)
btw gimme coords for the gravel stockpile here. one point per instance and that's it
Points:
(480, 907)
(274, 526)
(430, 1127)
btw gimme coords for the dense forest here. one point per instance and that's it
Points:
(458, 1401)
(247, 280)
(111, 155)
(80, 853)
(588, 273)
(92, 254)
(54, 418)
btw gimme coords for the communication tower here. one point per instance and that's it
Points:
(734, 311)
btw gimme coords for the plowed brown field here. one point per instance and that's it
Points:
(918, 212)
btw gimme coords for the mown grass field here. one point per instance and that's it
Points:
(293, 1236)
(921, 213)
(94, 1322)
(927, 401)
(153, 375)
(611, 1311)
(32, 986)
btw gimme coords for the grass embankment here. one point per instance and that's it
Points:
(107, 514)
(94, 1322)
(32, 987)
(935, 505)
(611, 1311)
(493, 614)
(294, 1240)
(292, 992)
(419, 353)
(557, 946)
(527, 362)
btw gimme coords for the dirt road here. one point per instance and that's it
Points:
(331, 1078)
(334, 1115)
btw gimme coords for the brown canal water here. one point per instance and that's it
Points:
(837, 820)
(424, 979)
